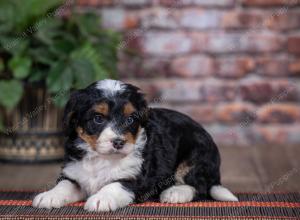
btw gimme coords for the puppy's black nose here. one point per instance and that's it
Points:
(118, 143)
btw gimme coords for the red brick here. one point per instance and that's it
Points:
(170, 90)
(286, 20)
(158, 43)
(285, 90)
(192, 66)
(203, 3)
(179, 90)
(279, 113)
(262, 91)
(119, 19)
(236, 112)
(294, 67)
(273, 66)
(160, 18)
(294, 44)
(248, 42)
(234, 67)
(137, 66)
(149, 87)
(242, 19)
(216, 91)
(182, 18)
(260, 20)
(268, 3)
(112, 2)
(199, 41)
(200, 18)
(153, 67)
(161, 44)
(133, 2)
(201, 113)
(94, 2)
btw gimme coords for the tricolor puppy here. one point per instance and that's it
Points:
(119, 151)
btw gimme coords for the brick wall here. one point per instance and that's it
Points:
(232, 65)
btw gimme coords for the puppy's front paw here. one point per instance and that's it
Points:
(48, 200)
(109, 198)
(101, 203)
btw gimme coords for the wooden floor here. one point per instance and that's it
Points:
(255, 169)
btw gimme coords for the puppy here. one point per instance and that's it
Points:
(119, 151)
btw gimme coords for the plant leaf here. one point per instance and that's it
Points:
(36, 76)
(95, 68)
(11, 92)
(60, 78)
(88, 23)
(50, 30)
(60, 100)
(20, 66)
(7, 16)
(43, 56)
(20, 46)
(28, 12)
(84, 73)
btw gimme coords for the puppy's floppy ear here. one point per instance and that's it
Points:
(70, 121)
(139, 101)
(137, 97)
(143, 106)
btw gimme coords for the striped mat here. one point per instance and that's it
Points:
(17, 205)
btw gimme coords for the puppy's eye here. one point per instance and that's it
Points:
(129, 120)
(98, 119)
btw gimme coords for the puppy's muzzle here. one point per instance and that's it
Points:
(118, 143)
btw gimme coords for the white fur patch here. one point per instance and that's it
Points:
(95, 170)
(110, 87)
(104, 144)
(178, 194)
(220, 193)
(109, 198)
(63, 193)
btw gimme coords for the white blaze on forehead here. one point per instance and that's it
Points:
(110, 86)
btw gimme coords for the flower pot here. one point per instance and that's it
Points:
(33, 129)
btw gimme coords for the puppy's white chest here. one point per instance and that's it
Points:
(93, 174)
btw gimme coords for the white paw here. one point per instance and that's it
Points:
(178, 194)
(48, 200)
(100, 203)
(109, 198)
(63, 193)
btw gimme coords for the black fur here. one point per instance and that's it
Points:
(172, 138)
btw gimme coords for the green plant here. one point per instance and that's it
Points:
(63, 52)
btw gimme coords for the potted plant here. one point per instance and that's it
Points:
(45, 52)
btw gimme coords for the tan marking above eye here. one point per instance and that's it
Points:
(128, 109)
(102, 108)
(90, 139)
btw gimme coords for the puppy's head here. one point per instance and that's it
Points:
(107, 117)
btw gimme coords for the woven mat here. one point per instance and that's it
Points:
(17, 205)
